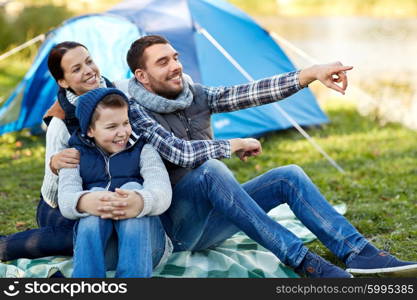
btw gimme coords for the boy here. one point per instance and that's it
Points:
(113, 162)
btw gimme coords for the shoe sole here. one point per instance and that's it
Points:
(403, 271)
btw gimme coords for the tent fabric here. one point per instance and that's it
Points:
(37, 91)
(237, 257)
(108, 37)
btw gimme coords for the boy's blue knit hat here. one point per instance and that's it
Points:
(87, 104)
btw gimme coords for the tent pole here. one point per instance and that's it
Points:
(40, 37)
(223, 51)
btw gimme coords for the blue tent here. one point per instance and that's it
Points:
(109, 35)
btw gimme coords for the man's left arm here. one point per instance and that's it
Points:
(278, 87)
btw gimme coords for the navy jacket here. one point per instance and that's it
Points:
(98, 169)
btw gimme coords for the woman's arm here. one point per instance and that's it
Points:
(57, 137)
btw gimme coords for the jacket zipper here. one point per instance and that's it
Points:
(107, 161)
(184, 121)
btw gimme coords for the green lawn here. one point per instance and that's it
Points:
(379, 188)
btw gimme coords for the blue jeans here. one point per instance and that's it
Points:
(53, 237)
(209, 206)
(140, 246)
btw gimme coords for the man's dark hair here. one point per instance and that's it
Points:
(55, 57)
(135, 57)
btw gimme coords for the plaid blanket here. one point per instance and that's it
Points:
(237, 257)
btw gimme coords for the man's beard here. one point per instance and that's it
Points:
(166, 93)
(169, 94)
(161, 90)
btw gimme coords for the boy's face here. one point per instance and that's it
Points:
(112, 129)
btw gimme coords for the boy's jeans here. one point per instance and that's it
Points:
(53, 237)
(209, 205)
(140, 245)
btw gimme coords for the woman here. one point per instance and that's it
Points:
(76, 73)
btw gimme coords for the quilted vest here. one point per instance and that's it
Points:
(98, 169)
(192, 123)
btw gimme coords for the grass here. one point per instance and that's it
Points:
(379, 186)
(21, 173)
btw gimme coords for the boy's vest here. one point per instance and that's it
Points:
(192, 123)
(98, 169)
(64, 110)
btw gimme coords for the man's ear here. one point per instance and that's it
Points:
(141, 76)
(63, 83)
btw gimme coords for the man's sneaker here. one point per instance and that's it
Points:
(315, 266)
(382, 263)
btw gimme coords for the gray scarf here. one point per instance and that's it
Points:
(159, 104)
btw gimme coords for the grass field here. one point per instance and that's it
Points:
(379, 188)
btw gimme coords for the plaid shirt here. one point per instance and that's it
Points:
(190, 154)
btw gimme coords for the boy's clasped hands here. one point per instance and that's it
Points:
(121, 204)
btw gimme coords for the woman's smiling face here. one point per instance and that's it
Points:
(80, 72)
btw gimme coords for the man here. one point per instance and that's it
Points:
(208, 204)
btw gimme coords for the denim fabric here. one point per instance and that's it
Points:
(53, 237)
(140, 245)
(209, 205)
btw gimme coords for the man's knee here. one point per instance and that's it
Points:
(290, 172)
(215, 167)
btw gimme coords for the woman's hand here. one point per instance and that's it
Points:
(67, 158)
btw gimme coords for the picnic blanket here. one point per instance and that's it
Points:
(237, 257)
